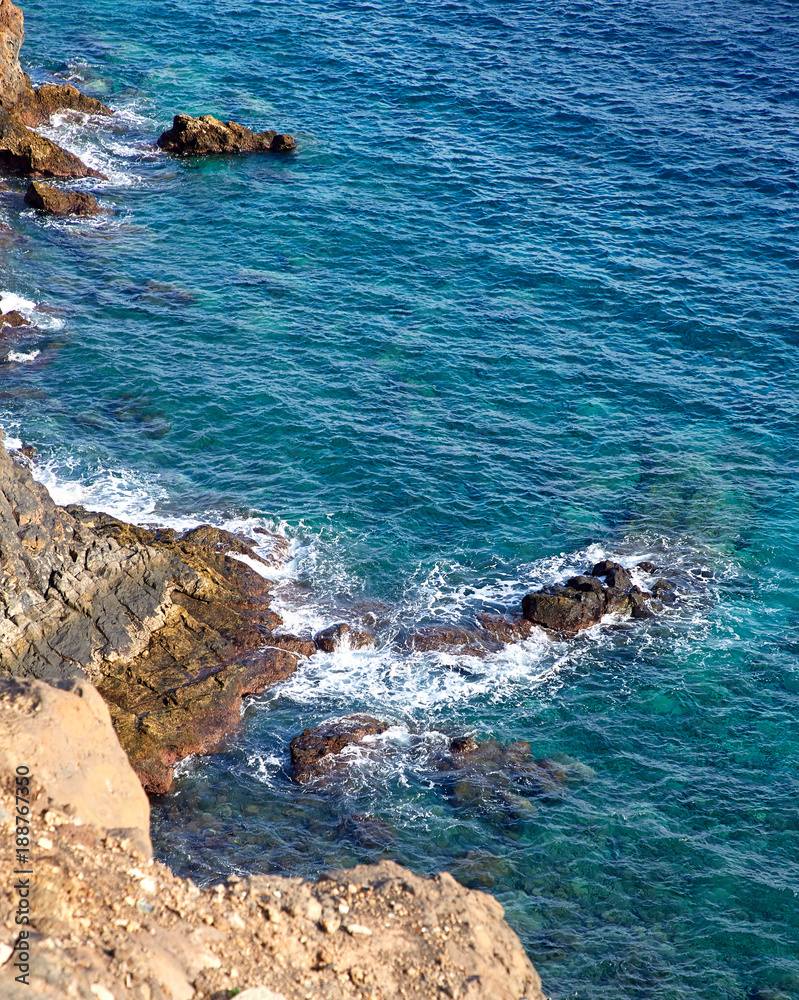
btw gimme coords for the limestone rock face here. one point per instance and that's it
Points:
(36, 107)
(13, 82)
(64, 736)
(23, 151)
(201, 136)
(171, 629)
(54, 201)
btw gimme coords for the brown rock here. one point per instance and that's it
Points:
(313, 751)
(13, 81)
(335, 636)
(293, 643)
(452, 639)
(201, 136)
(563, 609)
(14, 318)
(23, 151)
(54, 201)
(169, 628)
(36, 107)
(64, 736)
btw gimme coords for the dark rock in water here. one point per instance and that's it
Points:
(563, 609)
(646, 566)
(14, 318)
(452, 639)
(54, 201)
(638, 599)
(36, 107)
(663, 586)
(335, 636)
(23, 151)
(498, 775)
(589, 584)
(504, 630)
(313, 752)
(615, 574)
(201, 136)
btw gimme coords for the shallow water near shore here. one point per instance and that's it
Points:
(525, 297)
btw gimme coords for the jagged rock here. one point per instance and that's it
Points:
(64, 737)
(54, 201)
(13, 82)
(23, 151)
(200, 136)
(615, 574)
(313, 752)
(646, 566)
(36, 107)
(169, 629)
(453, 639)
(335, 636)
(106, 922)
(13, 318)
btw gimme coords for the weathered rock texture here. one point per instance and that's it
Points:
(200, 136)
(23, 151)
(37, 106)
(105, 921)
(170, 628)
(63, 735)
(13, 82)
(316, 752)
(54, 201)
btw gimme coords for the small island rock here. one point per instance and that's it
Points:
(206, 134)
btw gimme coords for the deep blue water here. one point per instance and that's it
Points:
(525, 295)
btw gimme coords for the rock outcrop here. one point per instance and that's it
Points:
(343, 635)
(171, 628)
(54, 201)
(583, 600)
(13, 82)
(206, 134)
(316, 752)
(91, 915)
(23, 151)
(37, 106)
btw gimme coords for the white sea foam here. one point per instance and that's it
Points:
(20, 358)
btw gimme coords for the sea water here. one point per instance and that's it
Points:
(524, 297)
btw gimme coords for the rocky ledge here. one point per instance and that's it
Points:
(98, 919)
(170, 628)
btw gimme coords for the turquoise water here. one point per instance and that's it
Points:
(526, 295)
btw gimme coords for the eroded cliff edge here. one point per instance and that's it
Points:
(85, 912)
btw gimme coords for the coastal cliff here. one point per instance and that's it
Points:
(86, 913)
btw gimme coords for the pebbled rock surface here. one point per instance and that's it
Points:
(54, 201)
(169, 628)
(37, 106)
(316, 752)
(201, 136)
(13, 82)
(23, 151)
(63, 734)
(105, 921)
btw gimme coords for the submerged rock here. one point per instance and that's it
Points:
(36, 107)
(206, 134)
(336, 636)
(54, 201)
(493, 775)
(314, 751)
(23, 151)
